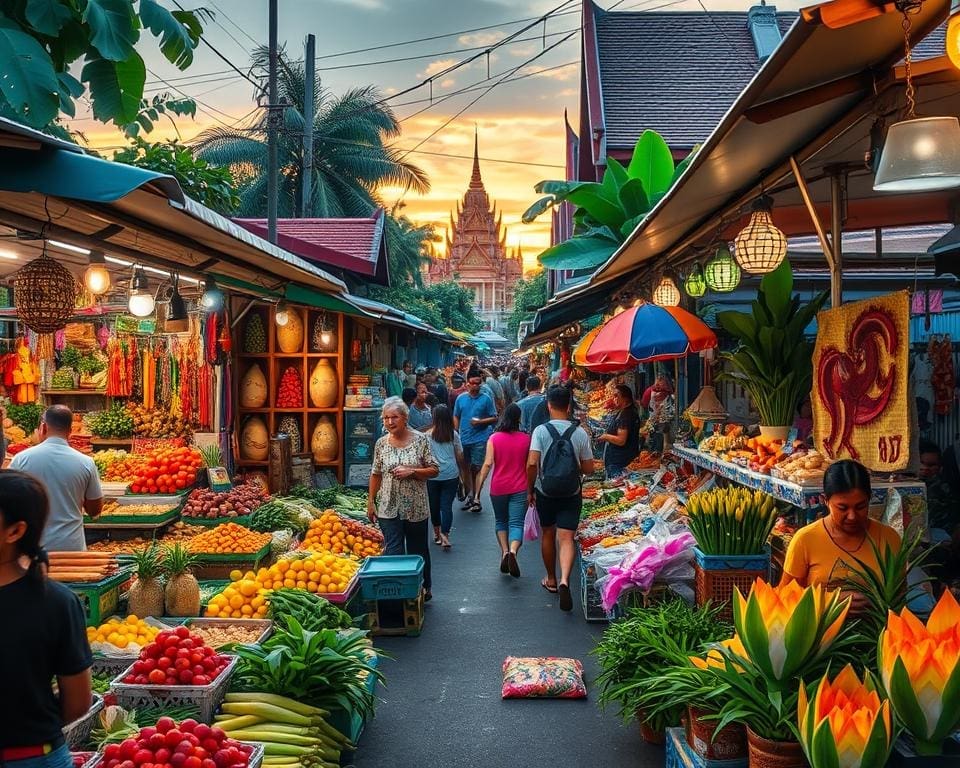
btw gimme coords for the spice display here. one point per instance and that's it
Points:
(290, 391)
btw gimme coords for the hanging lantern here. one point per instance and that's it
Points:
(141, 301)
(666, 293)
(97, 278)
(695, 285)
(722, 273)
(45, 294)
(760, 247)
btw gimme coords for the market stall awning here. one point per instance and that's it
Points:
(559, 312)
(816, 99)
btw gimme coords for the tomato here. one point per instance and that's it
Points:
(201, 680)
(209, 763)
(177, 759)
(209, 664)
(143, 757)
(218, 733)
(210, 744)
(156, 741)
(185, 747)
(130, 679)
(193, 762)
(128, 748)
(111, 751)
(202, 731)
(153, 649)
(171, 652)
(185, 676)
(208, 651)
(135, 488)
(196, 657)
(188, 643)
(172, 737)
(222, 759)
(157, 676)
(161, 755)
(164, 663)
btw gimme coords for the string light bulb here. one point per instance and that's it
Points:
(97, 276)
(281, 315)
(141, 302)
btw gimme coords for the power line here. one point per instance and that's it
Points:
(236, 26)
(203, 104)
(225, 60)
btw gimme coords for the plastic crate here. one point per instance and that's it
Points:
(256, 757)
(100, 598)
(394, 617)
(206, 698)
(78, 732)
(679, 754)
(718, 575)
(352, 725)
(264, 625)
(342, 598)
(391, 577)
(90, 759)
(219, 567)
(590, 598)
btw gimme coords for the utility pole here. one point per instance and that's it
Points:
(306, 207)
(273, 120)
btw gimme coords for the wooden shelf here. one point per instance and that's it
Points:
(252, 463)
(329, 355)
(75, 392)
(245, 355)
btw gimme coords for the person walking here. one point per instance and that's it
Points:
(529, 403)
(492, 382)
(69, 477)
(47, 637)
(421, 414)
(397, 500)
(622, 436)
(441, 490)
(560, 454)
(474, 415)
(506, 464)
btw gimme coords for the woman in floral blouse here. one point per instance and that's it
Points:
(398, 501)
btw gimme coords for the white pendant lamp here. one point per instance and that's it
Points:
(760, 247)
(920, 154)
(666, 294)
(141, 302)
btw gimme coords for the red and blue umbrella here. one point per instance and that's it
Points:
(643, 334)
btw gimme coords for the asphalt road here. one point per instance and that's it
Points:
(441, 705)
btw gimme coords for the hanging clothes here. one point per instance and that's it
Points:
(944, 377)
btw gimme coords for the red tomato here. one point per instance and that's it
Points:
(172, 737)
(156, 741)
(201, 680)
(143, 756)
(157, 676)
(166, 724)
(185, 676)
(164, 663)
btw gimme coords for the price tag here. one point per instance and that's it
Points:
(219, 479)
(791, 438)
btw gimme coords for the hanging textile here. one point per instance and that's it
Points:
(940, 351)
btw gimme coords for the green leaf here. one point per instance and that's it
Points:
(738, 325)
(678, 172)
(777, 289)
(70, 89)
(633, 199)
(116, 88)
(177, 40)
(47, 16)
(29, 82)
(630, 225)
(581, 252)
(599, 203)
(800, 635)
(113, 28)
(823, 749)
(616, 172)
(904, 701)
(652, 163)
(540, 206)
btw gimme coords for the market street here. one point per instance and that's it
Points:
(442, 704)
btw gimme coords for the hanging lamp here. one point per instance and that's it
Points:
(97, 277)
(212, 299)
(695, 285)
(178, 307)
(666, 293)
(721, 273)
(281, 315)
(921, 154)
(141, 302)
(760, 247)
(45, 294)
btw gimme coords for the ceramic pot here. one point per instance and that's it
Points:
(774, 754)
(253, 388)
(290, 336)
(325, 443)
(729, 744)
(774, 433)
(324, 386)
(648, 733)
(254, 440)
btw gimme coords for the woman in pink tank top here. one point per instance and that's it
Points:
(507, 451)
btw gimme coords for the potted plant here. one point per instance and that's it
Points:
(643, 645)
(773, 358)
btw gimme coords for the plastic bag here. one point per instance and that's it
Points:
(660, 553)
(540, 677)
(531, 524)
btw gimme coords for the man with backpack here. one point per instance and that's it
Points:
(560, 454)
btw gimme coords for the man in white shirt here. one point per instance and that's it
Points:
(69, 477)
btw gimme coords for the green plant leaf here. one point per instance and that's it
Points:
(70, 89)
(682, 166)
(113, 30)
(905, 702)
(540, 206)
(616, 171)
(177, 39)
(47, 16)
(581, 252)
(652, 163)
(600, 203)
(634, 200)
(777, 289)
(29, 83)
(116, 88)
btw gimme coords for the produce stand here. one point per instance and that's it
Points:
(213, 522)
(101, 598)
(78, 732)
(219, 566)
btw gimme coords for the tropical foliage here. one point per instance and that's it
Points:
(442, 305)
(41, 41)
(203, 182)
(409, 247)
(608, 211)
(351, 156)
(529, 295)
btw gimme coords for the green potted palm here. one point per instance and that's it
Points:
(641, 646)
(773, 357)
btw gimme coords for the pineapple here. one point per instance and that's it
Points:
(183, 591)
(146, 593)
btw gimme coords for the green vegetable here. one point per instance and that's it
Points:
(731, 521)
(311, 611)
(26, 416)
(114, 422)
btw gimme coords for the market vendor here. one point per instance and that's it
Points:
(826, 551)
(622, 437)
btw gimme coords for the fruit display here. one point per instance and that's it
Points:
(121, 469)
(186, 745)
(332, 533)
(75, 567)
(166, 470)
(179, 531)
(131, 634)
(221, 634)
(115, 422)
(228, 538)
(156, 422)
(731, 521)
(255, 335)
(112, 508)
(290, 390)
(322, 573)
(645, 460)
(105, 459)
(145, 597)
(181, 596)
(239, 501)
(731, 439)
(63, 378)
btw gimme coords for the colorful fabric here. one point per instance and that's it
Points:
(403, 497)
(860, 371)
(541, 677)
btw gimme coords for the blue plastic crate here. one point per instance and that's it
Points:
(733, 562)
(391, 577)
(679, 754)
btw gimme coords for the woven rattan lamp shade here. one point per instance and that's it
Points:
(760, 247)
(45, 294)
(722, 273)
(666, 293)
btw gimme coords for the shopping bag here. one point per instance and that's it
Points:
(531, 524)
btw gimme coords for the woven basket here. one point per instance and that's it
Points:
(45, 294)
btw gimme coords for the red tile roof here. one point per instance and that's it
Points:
(355, 245)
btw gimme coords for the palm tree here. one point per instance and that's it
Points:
(351, 158)
(409, 247)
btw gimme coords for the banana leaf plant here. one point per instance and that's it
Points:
(774, 359)
(609, 210)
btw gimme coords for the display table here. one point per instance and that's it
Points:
(804, 496)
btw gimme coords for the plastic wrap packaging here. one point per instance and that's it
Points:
(542, 677)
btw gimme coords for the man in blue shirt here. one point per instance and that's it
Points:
(474, 415)
(529, 404)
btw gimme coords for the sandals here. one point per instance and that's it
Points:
(551, 588)
(566, 599)
(512, 565)
(444, 542)
(476, 507)
(504, 563)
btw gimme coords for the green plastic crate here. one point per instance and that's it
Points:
(101, 598)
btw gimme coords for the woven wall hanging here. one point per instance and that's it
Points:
(45, 294)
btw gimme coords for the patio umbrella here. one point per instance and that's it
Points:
(642, 334)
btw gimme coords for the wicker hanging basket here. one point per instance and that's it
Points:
(45, 294)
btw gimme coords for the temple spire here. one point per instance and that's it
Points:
(475, 181)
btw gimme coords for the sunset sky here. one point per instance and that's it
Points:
(520, 122)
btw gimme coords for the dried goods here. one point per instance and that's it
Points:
(239, 501)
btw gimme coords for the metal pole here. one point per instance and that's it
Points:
(306, 208)
(837, 193)
(273, 118)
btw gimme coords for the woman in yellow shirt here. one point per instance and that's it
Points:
(826, 551)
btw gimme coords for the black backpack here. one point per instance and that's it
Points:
(560, 465)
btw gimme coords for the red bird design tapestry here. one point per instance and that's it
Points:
(860, 401)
